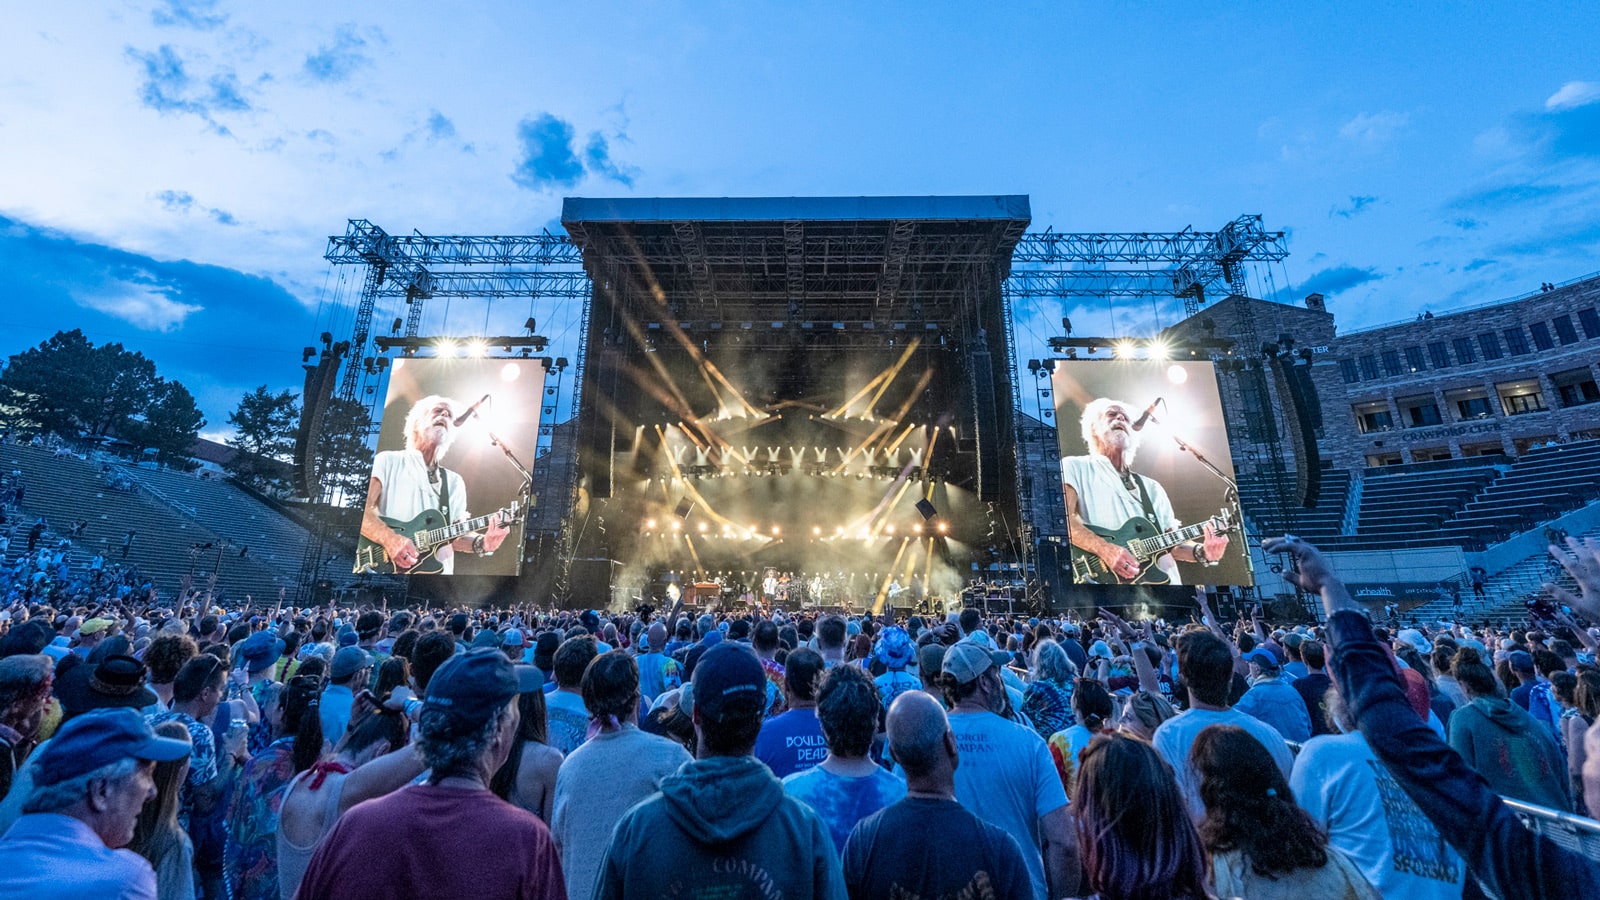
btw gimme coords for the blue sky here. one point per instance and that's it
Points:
(169, 171)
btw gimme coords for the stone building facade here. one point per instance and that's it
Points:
(1494, 379)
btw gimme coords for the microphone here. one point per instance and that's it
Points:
(1144, 417)
(462, 419)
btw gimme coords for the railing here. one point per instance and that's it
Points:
(150, 489)
(1574, 833)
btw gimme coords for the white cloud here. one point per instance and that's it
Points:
(138, 305)
(1572, 95)
(1373, 128)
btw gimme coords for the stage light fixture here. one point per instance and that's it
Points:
(916, 529)
(398, 323)
(943, 528)
(888, 529)
(1123, 349)
(677, 525)
(1160, 350)
(477, 349)
(816, 530)
(650, 524)
(531, 325)
(774, 531)
(445, 347)
(703, 526)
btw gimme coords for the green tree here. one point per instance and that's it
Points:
(169, 425)
(343, 452)
(70, 387)
(264, 432)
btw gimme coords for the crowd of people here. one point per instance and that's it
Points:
(187, 750)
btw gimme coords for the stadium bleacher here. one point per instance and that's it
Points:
(64, 489)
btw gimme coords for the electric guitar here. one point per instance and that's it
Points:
(1147, 543)
(428, 531)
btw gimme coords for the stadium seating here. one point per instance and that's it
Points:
(64, 489)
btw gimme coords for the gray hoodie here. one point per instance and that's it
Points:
(1515, 754)
(721, 827)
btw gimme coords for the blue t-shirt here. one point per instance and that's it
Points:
(843, 801)
(658, 673)
(1007, 778)
(895, 682)
(791, 742)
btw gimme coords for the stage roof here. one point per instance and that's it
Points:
(1012, 207)
(796, 259)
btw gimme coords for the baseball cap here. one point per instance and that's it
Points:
(724, 674)
(968, 659)
(100, 738)
(94, 626)
(1521, 661)
(471, 686)
(512, 637)
(1263, 657)
(261, 650)
(347, 662)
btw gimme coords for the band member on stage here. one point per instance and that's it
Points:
(769, 585)
(1102, 490)
(407, 482)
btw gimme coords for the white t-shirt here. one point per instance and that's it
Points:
(1104, 502)
(1007, 778)
(1176, 735)
(406, 492)
(1344, 787)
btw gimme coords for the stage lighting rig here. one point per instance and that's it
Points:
(445, 346)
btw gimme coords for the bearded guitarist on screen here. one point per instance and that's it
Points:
(409, 485)
(1104, 497)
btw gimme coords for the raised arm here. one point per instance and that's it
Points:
(1507, 858)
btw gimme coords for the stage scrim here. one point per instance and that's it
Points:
(1155, 508)
(474, 480)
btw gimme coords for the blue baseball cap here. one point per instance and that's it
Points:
(1262, 657)
(471, 686)
(724, 674)
(99, 738)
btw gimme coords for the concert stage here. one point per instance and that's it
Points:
(772, 386)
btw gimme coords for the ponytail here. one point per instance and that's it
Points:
(302, 717)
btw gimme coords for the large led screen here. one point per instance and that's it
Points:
(445, 497)
(1142, 509)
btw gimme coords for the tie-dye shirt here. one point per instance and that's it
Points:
(842, 801)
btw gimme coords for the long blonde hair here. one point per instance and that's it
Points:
(157, 832)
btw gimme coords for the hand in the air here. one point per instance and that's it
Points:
(1581, 559)
(1311, 571)
(495, 534)
(1215, 544)
(1122, 563)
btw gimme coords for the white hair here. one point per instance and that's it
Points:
(1091, 416)
(418, 417)
(62, 795)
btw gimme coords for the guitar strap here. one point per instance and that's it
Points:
(1144, 499)
(444, 493)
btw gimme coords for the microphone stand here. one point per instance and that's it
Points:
(1231, 497)
(527, 477)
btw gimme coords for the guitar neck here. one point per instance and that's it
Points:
(433, 537)
(1161, 543)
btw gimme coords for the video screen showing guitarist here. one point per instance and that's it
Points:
(409, 483)
(1108, 504)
